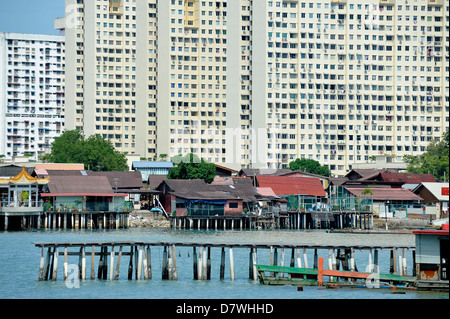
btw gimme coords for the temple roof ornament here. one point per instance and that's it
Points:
(23, 178)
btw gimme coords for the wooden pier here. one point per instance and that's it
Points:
(111, 254)
(66, 220)
(291, 220)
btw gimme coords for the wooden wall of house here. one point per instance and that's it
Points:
(230, 211)
(428, 197)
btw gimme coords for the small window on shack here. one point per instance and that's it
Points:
(233, 205)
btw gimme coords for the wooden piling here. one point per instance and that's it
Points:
(149, 262)
(204, 264)
(41, 265)
(208, 265)
(111, 264)
(55, 263)
(222, 264)
(165, 272)
(93, 263)
(130, 265)
(83, 263)
(119, 257)
(195, 263)
(305, 257)
(231, 264)
(174, 264)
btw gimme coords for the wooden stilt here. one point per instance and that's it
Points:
(105, 263)
(231, 264)
(208, 265)
(93, 263)
(100, 264)
(375, 261)
(305, 257)
(55, 264)
(352, 260)
(149, 262)
(111, 264)
(116, 275)
(195, 263)
(405, 268)
(315, 259)
(165, 272)
(139, 264)
(83, 263)
(222, 264)
(204, 264)
(174, 261)
(42, 265)
(255, 273)
(200, 263)
(299, 260)
(292, 257)
(130, 265)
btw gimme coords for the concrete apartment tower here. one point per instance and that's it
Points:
(31, 93)
(260, 83)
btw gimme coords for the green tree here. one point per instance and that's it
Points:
(310, 166)
(434, 161)
(192, 167)
(95, 152)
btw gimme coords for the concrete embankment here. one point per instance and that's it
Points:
(144, 218)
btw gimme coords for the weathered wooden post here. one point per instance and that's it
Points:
(255, 273)
(144, 263)
(149, 262)
(375, 261)
(165, 273)
(66, 265)
(200, 263)
(305, 257)
(55, 263)
(231, 264)
(83, 263)
(130, 265)
(204, 264)
(116, 275)
(42, 265)
(222, 264)
(93, 263)
(405, 268)
(195, 263)
(352, 259)
(208, 265)
(315, 258)
(170, 261)
(175, 272)
(111, 263)
(299, 259)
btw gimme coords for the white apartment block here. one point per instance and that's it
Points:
(31, 93)
(260, 83)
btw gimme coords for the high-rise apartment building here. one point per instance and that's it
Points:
(260, 83)
(31, 93)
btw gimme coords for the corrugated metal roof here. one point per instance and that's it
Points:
(80, 185)
(407, 178)
(149, 164)
(383, 194)
(285, 185)
(59, 166)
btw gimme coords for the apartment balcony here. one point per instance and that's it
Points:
(435, 2)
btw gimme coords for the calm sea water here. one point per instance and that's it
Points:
(19, 264)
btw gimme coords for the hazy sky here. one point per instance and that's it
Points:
(30, 16)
